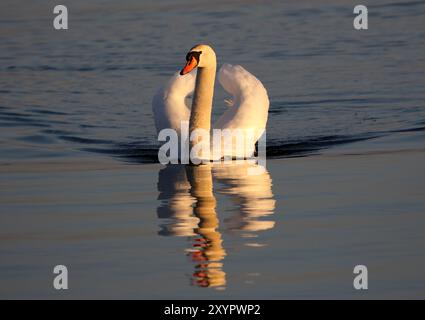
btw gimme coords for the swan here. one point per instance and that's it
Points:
(247, 110)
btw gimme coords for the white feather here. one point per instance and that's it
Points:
(249, 112)
(169, 104)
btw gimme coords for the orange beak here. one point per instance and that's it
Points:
(190, 65)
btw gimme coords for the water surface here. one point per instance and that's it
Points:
(344, 183)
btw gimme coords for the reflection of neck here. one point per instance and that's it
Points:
(200, 116)
(200, 178)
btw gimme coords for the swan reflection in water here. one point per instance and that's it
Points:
(188, 207)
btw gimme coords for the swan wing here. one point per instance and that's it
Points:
(250, 103)
(169, 104)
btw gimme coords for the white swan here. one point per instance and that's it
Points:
(247, 110)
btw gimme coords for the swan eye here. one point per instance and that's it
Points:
(194, 54)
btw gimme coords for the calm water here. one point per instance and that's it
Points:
(76, 124)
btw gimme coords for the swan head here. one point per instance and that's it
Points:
(200, 56)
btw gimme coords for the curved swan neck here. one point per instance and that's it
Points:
(200, 116)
